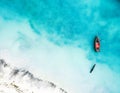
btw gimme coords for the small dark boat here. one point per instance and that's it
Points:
(92, 68)
(97, 44)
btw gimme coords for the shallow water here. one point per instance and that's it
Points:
(55, 38)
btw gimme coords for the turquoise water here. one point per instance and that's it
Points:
(59, 34)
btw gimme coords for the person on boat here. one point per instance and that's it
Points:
(97, 45)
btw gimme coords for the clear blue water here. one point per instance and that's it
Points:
(68, 23)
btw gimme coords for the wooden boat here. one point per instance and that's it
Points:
(97, 44)
(91, 70)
